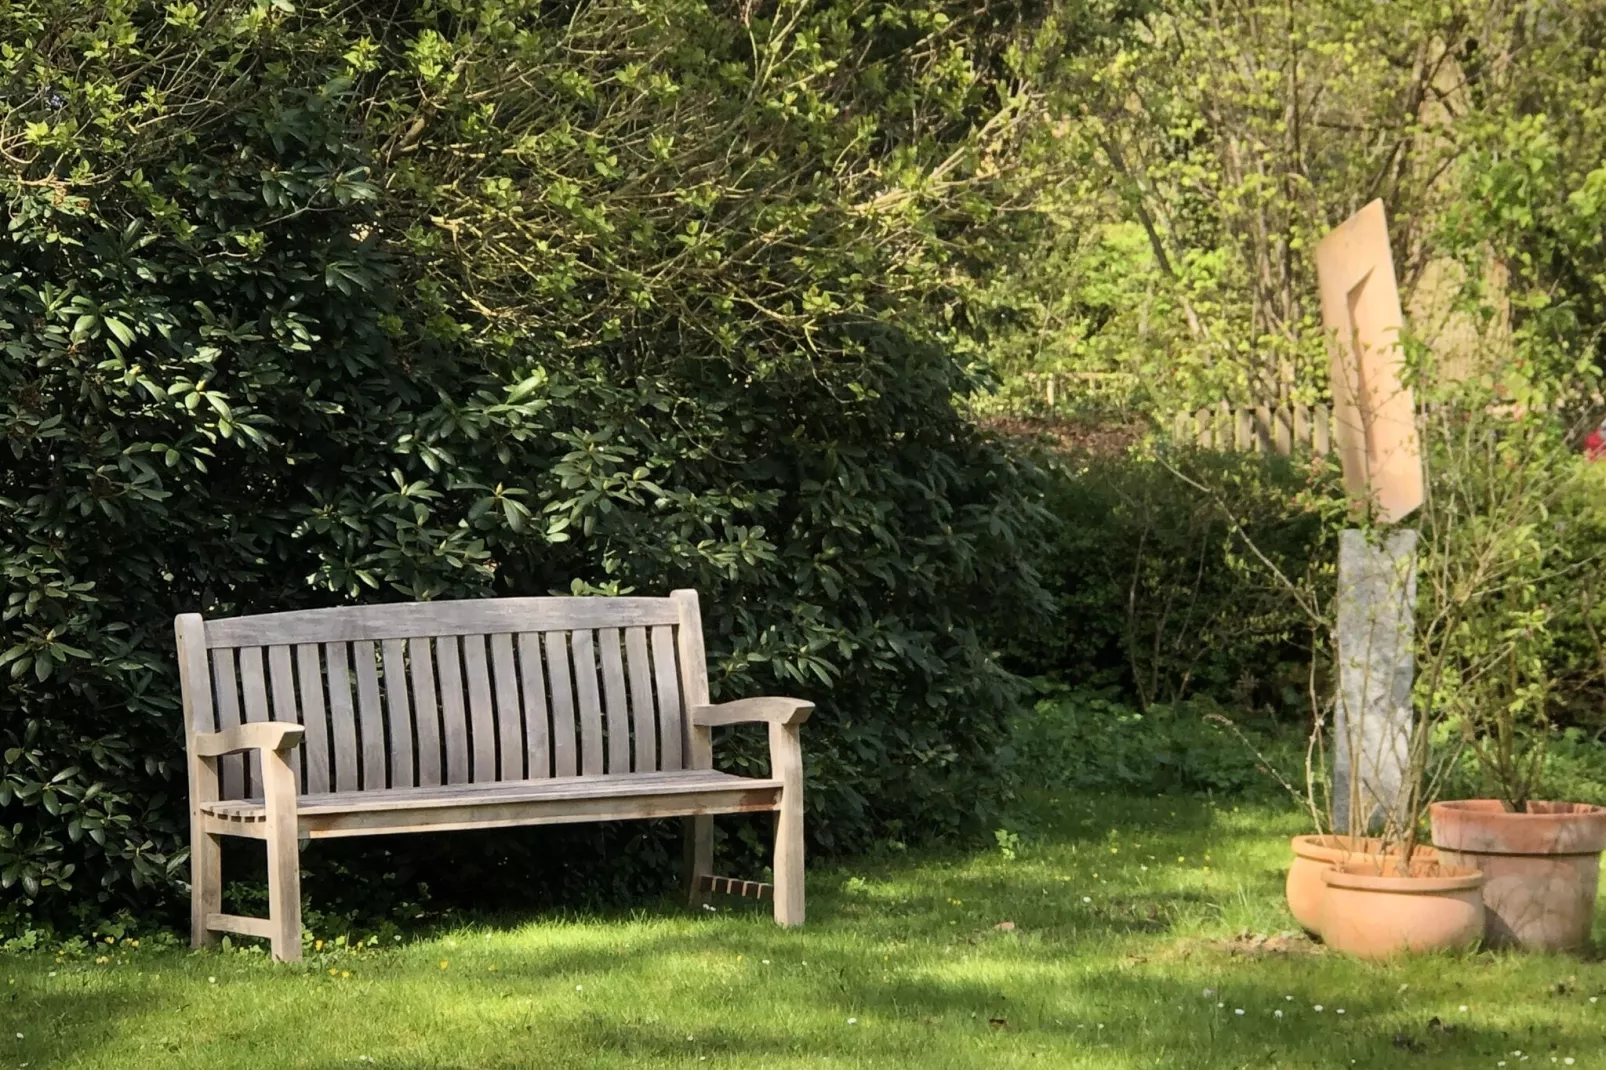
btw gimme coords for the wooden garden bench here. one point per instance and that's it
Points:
(453, 715)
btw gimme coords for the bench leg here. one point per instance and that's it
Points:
(206, 885)
(284, 860)
(699, 857)
(786, 765)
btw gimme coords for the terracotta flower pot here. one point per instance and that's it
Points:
(1540, 868)
(1312, 854)
(1373, 911)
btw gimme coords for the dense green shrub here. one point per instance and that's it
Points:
(1156, 589)
(463, 298)
(1089, 741)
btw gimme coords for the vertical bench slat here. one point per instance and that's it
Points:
(699, 753)
(338, 672)
(481, 713)
(230, 767)
(614, 703)
(285, 708)
(557, 664)
(316, 742)
(454, 722)
(588, 700)
(641, 700)
(398, 714)
(669, 725)
(536, 749)
(370, 715)
(426, 713)
(511, 743)
(254, 696)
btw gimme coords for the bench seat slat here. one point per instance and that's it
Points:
(552, 789)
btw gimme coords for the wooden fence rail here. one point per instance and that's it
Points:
(1260, 428)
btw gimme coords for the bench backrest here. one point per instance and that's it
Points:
(464, 692)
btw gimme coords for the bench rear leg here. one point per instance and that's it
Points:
(699, 857)
(206, 885)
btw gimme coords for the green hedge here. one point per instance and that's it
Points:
(309, 307)
(1155, 593)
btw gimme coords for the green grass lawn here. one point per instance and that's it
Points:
(1127, 950)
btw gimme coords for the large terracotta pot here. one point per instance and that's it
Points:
(1373, 910)
(1312, 854)
(1540, 868)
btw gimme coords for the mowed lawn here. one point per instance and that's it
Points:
(1126, 947)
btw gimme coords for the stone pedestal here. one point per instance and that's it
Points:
(1372, 719)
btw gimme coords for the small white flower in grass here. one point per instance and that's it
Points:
(1289, 998)
(1318, 1008)
(1209, 992)
(765, 961)
(1462, 1008)
(19, 1036)
(853, 1021)
(1569, 1060)
(1237, 1010)
(1339, 1011)
(1087, 899)
(579, 988)
(211, 980)
(1276, 1014)
(1221, 1004)
(1592, 999)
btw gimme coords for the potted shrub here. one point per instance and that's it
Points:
(1540, 859)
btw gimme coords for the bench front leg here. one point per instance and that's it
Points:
(785, 717)
(284, 860)
(786, 765)
(273, 740)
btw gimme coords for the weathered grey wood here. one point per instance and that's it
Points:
(315, 747)
(670, 730)
(786, 765)
(482, 715)
(454, 720)
(587, 700)
(342, 719)
(371, 718)
(398, 715)
(558, 789)
(537, 749)
(206, 850)
(510, 744)
(698, 742)
(1322, 437)
(564, 757)
(254, 703)
(1263, 429)
(737, 887)
(615, 704)
(426, 714)
(282, 683)
(643, 720)
(770, 709)
(639, 690)
(1283, 431)
(236, 923)
(539, 812)
(231, 770)
(279, 736)
(284, 864)
(484, 616)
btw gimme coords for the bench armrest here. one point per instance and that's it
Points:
(276, 736)
(788, 712)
